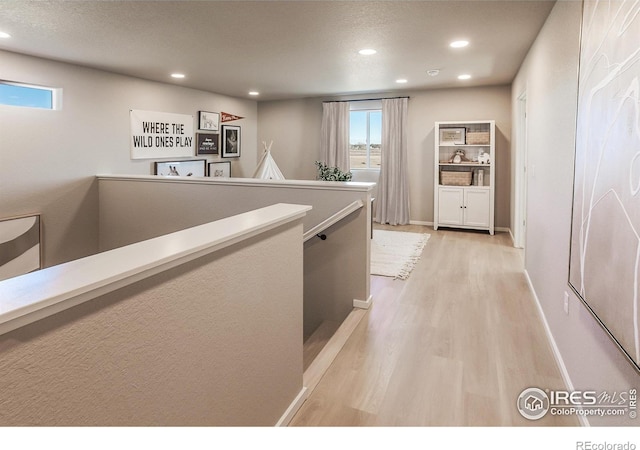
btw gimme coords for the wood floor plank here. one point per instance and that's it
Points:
(454, 345)
(317, 341)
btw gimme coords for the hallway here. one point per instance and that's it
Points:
(454, 345)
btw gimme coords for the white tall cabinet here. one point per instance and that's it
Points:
(464, 179)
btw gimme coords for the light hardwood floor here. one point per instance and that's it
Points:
(454, 345)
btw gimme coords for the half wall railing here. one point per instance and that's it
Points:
(332, 220)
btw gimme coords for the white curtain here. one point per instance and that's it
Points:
(334, 140)
(392, 201)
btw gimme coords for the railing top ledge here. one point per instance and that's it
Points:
(39, 294)
(299, 184)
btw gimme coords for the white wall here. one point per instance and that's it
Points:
(549, 76)
(336, 270)
(214, 341)
(48, 159)
(294, 126)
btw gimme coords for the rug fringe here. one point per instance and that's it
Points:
(413, 259)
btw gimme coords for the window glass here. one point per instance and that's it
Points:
(28, 96)
(365, 138)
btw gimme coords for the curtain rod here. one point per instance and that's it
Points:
(362, 99)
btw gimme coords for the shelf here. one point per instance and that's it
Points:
(474, 164)
(465, 187)
(466, 206)
(465, 145)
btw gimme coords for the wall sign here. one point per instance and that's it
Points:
(207, 143)
(161, 135)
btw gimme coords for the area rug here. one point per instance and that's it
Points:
(395, 253)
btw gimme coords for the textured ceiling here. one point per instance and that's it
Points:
(283, 49)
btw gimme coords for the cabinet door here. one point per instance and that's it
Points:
(450, 206)
(477, 207)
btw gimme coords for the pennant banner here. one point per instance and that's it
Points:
(226, 117)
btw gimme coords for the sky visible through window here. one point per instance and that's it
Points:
(358, 127)
(14, 95)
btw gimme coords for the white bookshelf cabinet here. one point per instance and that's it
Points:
(464, 179)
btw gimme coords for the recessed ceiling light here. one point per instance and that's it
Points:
(177, 75)
(4, 35)
(459, 44)
(254, 93)
(367, 51)
(464, 77)
(433, 72)
(401, 80)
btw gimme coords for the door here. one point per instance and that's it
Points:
(450, 205)
(477, 207)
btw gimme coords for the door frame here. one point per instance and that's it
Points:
(520, 213)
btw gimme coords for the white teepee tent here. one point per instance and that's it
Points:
(267, 168)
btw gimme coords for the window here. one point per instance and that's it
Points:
(365, 138)
(16, 94)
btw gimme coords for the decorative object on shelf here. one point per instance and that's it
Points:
(452, 136)
(484, 158)
(478, 138)
(209, 121)
(207, 144)
(230, 141)
(480, 177)
(459, 157)
(455, 178)
(326, 173)
(20, 239)
(187, 168)
(219, 169)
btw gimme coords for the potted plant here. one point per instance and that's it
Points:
(327, 173)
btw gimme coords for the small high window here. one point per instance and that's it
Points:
(29, 96)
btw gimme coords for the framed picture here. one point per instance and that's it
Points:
(187, 168)
(207, 144)
(230, 141)
(221, 169)
(605, 243)
(20, 245)
(452, 136)
(209, 121)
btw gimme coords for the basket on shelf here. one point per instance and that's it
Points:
(451, 178)
(478, 138)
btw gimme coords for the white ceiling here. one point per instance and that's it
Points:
(283, 49)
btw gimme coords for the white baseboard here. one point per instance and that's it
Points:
(556, 351)
(430, 224)
(293, 408)
(363, 304)
(420, 222)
